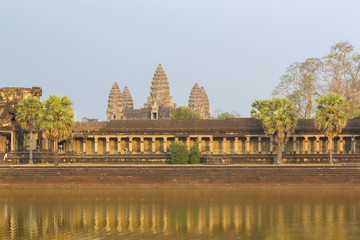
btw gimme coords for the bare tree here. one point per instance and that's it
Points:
(302, 84)
(342, 74)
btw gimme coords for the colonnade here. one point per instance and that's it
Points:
(208, 144)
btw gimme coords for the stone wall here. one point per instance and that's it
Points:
(180, 176)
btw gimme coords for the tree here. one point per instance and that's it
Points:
(57, 118)
(179, 153)
(27, 115)
(195, 154)
(184, 112)
(342, 74)
(278, 119)
(302, 84)
(331, 117)
(219, 114)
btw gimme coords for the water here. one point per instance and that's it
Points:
(180, 214)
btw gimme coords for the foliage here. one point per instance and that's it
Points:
(195, 153)
(338, 72)
(179, 153)
(278, 118)
(57, 118)
(302, 84)
(342, 72)
(27, 115)
(331, 117)
(219, 114)
(184, 112)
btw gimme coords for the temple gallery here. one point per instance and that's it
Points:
(145, 134)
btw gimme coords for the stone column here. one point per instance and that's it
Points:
(306, 145)
(12, 142)
(46, 144)
(259, 144)
(119, 144)
(294, 145)
(96, 144)
(142, 144)
(130, 144)
(165, 145)
(153, 145)
(211, 145)
(236, 145)
(107, 148)
(298, 147)
(317, 145)
(353, 145)
(72, 144)
(341, 145)
(84, 145)
(271, 145)
(188, 143)
(224, 145)
(247, 145)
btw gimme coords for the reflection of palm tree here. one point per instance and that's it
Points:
(27, 115)
(331, 117)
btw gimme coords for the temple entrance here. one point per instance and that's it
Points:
(5, 142)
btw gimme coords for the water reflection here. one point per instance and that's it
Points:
(180, 214)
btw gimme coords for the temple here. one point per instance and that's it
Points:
(132, 136)
(11, 135)
(199, 101)
(159, 104)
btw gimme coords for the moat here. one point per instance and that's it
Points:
(180, 214)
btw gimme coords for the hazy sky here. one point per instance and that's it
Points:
(236, 49)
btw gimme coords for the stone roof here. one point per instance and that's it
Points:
(199, 126)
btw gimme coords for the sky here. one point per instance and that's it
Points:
(236, 49)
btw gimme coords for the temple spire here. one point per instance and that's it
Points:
(199, 102)
(114, 101)
(127, 99)
(160, 90)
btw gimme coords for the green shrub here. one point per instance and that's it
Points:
(179, 153)
(195, 154)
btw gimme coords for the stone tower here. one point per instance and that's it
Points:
(159, 103)
(160, 90)
(127, 99)
(199, 102)
(114, 103)
(206, 104)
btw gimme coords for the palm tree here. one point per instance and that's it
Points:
(57, 118)
(331, 117)
(278, 118)
(27, 115)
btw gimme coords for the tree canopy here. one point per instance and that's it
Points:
(57, 118)
(278, 119)
(219, 114)
(184, 112)
(331, 117)
(27, 115)
(337, 72)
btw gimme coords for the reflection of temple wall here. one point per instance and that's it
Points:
(247, 217)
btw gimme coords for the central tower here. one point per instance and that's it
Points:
(160, 102)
